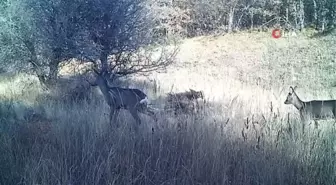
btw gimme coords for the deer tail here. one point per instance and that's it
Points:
(144, 101)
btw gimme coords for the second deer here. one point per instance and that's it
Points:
(133, 100)
(183, 101)
(316, 109)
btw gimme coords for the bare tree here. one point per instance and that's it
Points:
(121, 33)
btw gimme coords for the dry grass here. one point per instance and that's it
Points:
(242, 76)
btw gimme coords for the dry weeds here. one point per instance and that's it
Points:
(242, 76)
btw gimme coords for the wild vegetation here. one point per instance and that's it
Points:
(54, 126)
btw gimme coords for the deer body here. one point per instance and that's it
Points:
(315, 109)
(133, 100)
(123, 98)
(320, 109)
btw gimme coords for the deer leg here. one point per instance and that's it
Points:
(116, 114)
(334, 113)
(135, 115)
(303, 122)
(316, 124)
(151, 113)
(113, 116)
(258, 142)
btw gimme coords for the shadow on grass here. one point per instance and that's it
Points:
(82, 149)
(21, 125)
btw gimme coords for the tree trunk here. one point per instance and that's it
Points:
(333, 14)
(103, 59)
(287, 15)
(53, 71)
(34, 62)
(322, 16)
(231, 15)
(230, 23)
(251, 18)
(301, 15)
(264, 21)
(323, 20)
(315, 14)
(296, 15)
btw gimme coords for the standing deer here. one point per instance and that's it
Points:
(133, 100)
(316, 109)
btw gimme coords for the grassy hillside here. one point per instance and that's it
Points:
(244, 76)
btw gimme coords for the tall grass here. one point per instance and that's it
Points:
(45, 141)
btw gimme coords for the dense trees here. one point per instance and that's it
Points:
(209, 16)
(39, 34)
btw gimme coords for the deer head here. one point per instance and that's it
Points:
(291, 97)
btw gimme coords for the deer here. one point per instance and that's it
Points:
(315, 109)
(190, 95)
(183, 100)
(133, 100)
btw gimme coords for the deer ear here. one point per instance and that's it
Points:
(293, 88)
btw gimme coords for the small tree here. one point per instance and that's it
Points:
(121, 35)
(40, 33)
